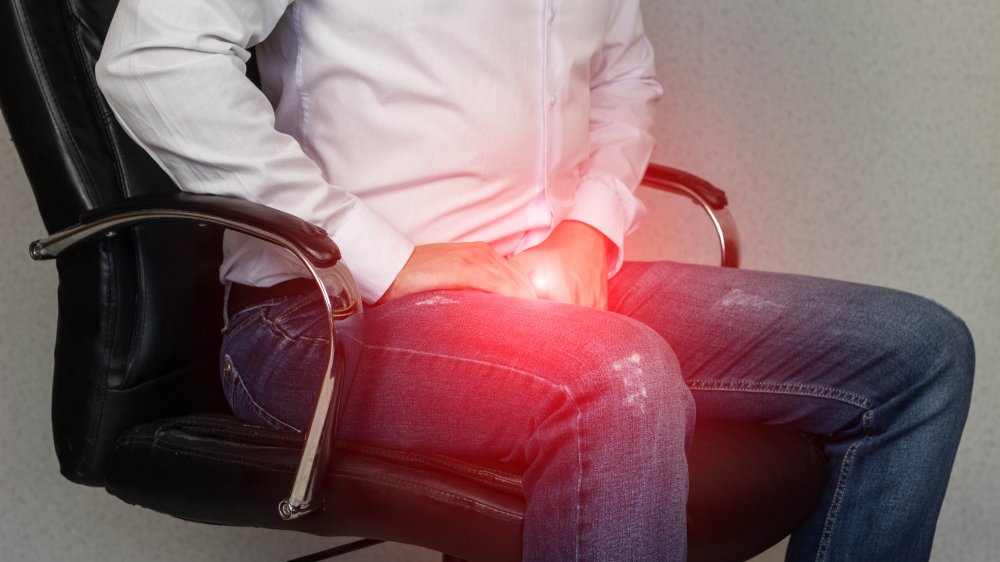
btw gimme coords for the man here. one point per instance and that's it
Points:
(475, 163)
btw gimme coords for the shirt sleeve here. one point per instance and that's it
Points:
(173, 72)
(623, 97)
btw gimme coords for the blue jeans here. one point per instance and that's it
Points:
(600, 405)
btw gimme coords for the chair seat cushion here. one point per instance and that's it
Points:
(750, 485)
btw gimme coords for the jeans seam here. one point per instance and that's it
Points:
(236, 327)
(813, 390)
(817, 391)
(258, 409)
(276, 327)
(838, 496)
(462, 359)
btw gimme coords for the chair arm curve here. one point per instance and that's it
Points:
(254, 219)
(711, 199)
(310, 245)
(669, 179)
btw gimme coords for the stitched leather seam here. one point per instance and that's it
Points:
(224, 431)
(467, 471)
(97, 395)
(278, 466)
(95, 95)
(438, 462)
(273, 466)
(284, 468)
(46, 91)
(45, 88)
(409, 484)
(162, 443)
(140, 318)
(421, 460)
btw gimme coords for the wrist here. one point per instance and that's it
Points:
(578, 229)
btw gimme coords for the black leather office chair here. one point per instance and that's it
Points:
(137, 407)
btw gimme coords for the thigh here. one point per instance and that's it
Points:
(811, 352)
(457, 372)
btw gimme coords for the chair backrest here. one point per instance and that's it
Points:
(139, 313)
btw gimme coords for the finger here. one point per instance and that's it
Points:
(501, 279)
(514, 281)
(519, 285)
(521, 276)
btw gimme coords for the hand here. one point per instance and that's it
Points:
(465, 265)
(570, 266)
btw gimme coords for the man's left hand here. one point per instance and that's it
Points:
(570, 266)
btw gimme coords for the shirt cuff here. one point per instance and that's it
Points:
(598, 206)
(373, 250)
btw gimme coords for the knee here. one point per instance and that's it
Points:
(937, 347)
(629, 374)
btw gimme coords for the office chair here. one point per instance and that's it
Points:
(137, 407)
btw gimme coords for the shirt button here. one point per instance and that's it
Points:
(552, 101)
(551, 15)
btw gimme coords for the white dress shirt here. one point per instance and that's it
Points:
(392, 123)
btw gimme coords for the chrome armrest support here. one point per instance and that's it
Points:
(711, 199)
(315, 454)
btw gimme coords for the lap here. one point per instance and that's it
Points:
(752, 345)
(458, 372)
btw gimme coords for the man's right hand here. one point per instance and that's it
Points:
(463, 265)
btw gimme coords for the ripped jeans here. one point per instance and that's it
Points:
(599, 405)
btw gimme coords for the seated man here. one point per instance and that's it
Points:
(476, 162)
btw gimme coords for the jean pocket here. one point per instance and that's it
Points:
(301, 319)
(271, 309)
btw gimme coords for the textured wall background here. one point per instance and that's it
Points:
(856, 139)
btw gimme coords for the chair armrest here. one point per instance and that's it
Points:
(311, 246)
(684, 183)
(710, 198)
(236, 214)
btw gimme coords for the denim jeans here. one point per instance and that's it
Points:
(600, 405)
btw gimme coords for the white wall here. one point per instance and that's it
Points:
(856, 139)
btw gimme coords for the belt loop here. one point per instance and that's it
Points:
(225, 305)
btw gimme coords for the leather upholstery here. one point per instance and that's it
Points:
(136, 400)
(743, 498)
(133, 340)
